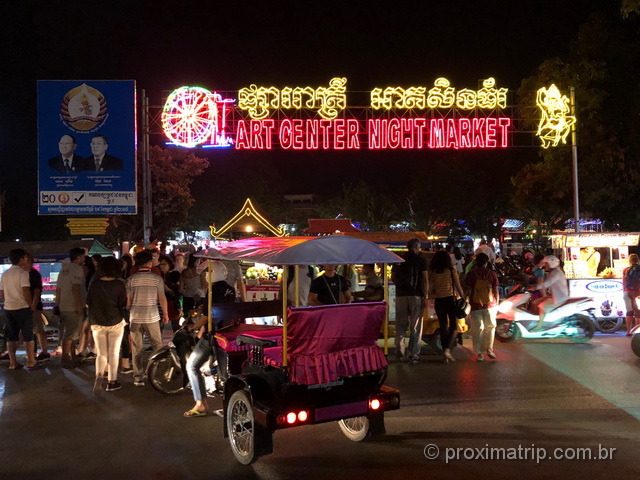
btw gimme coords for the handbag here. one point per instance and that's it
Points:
(460, 304)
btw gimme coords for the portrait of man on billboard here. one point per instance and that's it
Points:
(67, 162)
(100, 160)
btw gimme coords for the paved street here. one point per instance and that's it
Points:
(558, 397)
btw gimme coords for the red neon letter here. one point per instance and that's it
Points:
(477, 131)
(491, 133)
(312, 134)
(339, 135)
(452, 133)
(325, 126)
(436, 136)
(464, 125)
(267, 130)
(377, 132)
(298, 135)
(241, 135)
(353, 131)
(407, 132)
(504, 123)
(286, 139)
(256, 134)
(420, 124)
(394, 133)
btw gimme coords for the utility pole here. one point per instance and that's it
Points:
(574, 151)
(147, 204)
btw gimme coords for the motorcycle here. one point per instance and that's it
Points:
(166, 369)
(574, 319)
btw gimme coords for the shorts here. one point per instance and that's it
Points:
(38, 323)
(20, 320)
(72, 325)
(628, 304)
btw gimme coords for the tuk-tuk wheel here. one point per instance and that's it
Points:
(355, 429)
(241, 427)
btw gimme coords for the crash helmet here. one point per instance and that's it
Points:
(218, 272)
(552, 261)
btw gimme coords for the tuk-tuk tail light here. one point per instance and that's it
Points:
(292, 418)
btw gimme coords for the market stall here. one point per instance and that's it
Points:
(593, 265)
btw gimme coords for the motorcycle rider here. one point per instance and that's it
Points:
(556, 282)
(221, 293)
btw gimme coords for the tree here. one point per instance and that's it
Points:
(172, 173)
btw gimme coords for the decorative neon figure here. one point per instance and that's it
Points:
(555, 121)
(194, 116)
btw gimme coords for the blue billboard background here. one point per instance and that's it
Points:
(83, 109)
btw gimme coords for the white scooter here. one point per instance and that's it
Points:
(574, 319)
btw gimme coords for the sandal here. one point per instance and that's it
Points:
(17, 366)
(194, 413)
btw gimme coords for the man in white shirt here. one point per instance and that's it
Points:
(16, 293)
(487, 250)
(71, 295)
(556, 282)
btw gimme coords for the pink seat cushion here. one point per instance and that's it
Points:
(332, 341)
(227, 338)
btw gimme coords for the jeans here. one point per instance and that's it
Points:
(448, 321)
(155, 337)
(408, 316)
(200, 354)
(483, 329)
(108, 342)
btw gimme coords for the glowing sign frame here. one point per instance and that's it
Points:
(555, 122)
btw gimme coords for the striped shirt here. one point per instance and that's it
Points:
(144, 288)
(441, 284)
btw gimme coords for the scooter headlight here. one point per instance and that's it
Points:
(505, 306)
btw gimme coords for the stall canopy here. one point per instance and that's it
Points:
(333, 249)
(49, 252)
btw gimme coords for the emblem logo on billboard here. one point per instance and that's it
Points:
(83, 109)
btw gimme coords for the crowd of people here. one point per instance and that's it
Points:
(107, 306)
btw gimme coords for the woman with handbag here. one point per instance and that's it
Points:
(107, 299)
(444, 283)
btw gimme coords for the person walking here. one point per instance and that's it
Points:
(145, 290)
(444, 284)
(15, 291)
(482, 286)
(35, 286)
(107, 299)
(412, 287)
(631, 285)
(71, 294)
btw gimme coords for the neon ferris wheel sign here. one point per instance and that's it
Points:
(306, 118)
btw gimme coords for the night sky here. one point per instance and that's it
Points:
(228, 45)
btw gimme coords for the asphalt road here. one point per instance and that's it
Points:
(535, 403)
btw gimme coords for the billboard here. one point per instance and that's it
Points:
(86, 147)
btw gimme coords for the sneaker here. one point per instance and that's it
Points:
(491, 355)
(43, 356)
(98, 383)
(413, 359)
(126, 370)
(138, 382)
(115, 385)
(480, 357)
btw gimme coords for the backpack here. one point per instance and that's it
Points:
(482, 290)
(632, 279)
(404, 277)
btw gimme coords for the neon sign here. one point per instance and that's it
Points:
(442, 95)
(193, 116)
(260, 102)
(306, 118)
(555, 121)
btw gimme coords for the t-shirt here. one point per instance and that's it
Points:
(418, 265)
(144, 288)
(11, 283)
(492, 280)
(71, 274)
(35, 283)
(329, 289)
(106, 299)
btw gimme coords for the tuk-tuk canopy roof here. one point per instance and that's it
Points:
(329, 250)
